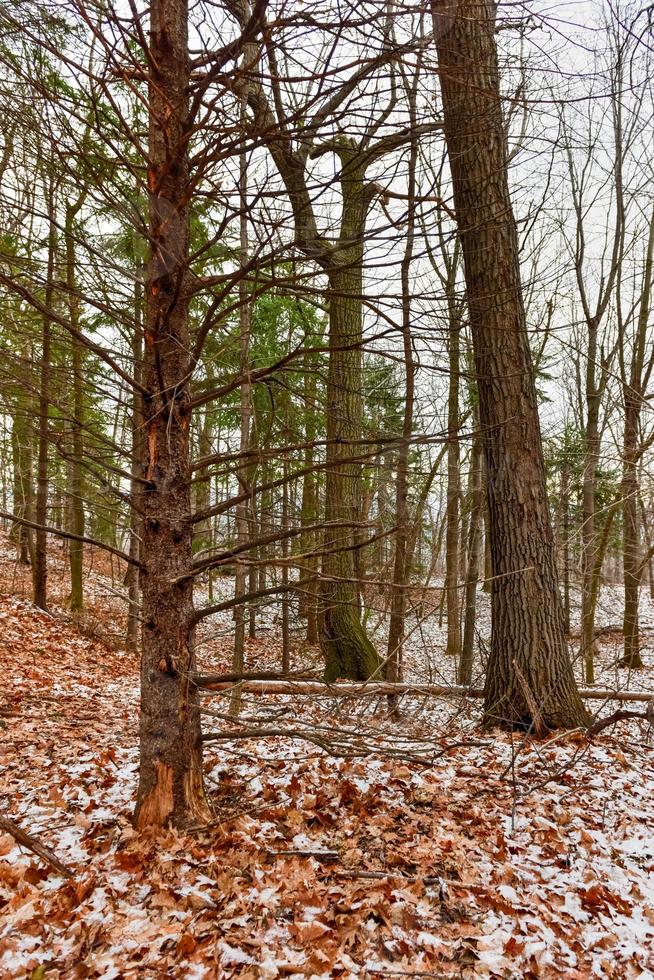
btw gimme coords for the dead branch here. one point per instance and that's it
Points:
(32, 844)
(222, 682)
(621, 715)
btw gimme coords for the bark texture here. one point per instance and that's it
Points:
(171, 789)
(530, 682)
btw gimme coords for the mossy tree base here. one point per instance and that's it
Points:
(349, 653)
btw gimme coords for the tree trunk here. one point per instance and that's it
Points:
(309, 507)
(346, 647)
(631, 530)
(633, 402)
(171, 788)
(565, 536)
(253, 572)
(39, 565)
(21, 449)
(137, 457)
(530, 682)
(401, 567)
(588, 648)
(453, 646)
(348, 651)
(648, 544)
(76, 548)
(474, 563)
(243, 509)
(286, 638)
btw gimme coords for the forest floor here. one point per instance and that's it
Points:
(502, 857)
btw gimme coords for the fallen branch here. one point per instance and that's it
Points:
(235, 814)
(216, 682)
(326, 857)
(231, 677)
(425, 879)
(621, 715)
(223, 682)
(32, 844)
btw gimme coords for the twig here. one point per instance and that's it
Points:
(210, 824)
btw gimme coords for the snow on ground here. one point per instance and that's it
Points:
(502, 857)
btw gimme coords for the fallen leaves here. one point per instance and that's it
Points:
(469, 873)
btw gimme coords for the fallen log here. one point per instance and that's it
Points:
(218, 682)
(222, 682)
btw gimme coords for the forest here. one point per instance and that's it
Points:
(326, 489)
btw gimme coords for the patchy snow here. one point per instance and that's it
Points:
(495, 856)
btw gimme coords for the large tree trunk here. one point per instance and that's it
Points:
(347, 649)
(171, 789)
(530, 682)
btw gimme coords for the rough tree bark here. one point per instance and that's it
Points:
(171, 789)
(530, 682)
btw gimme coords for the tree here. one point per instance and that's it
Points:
(347, 650)
(635, 378)
(39, 565)
(171, 784)
(530, 682)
